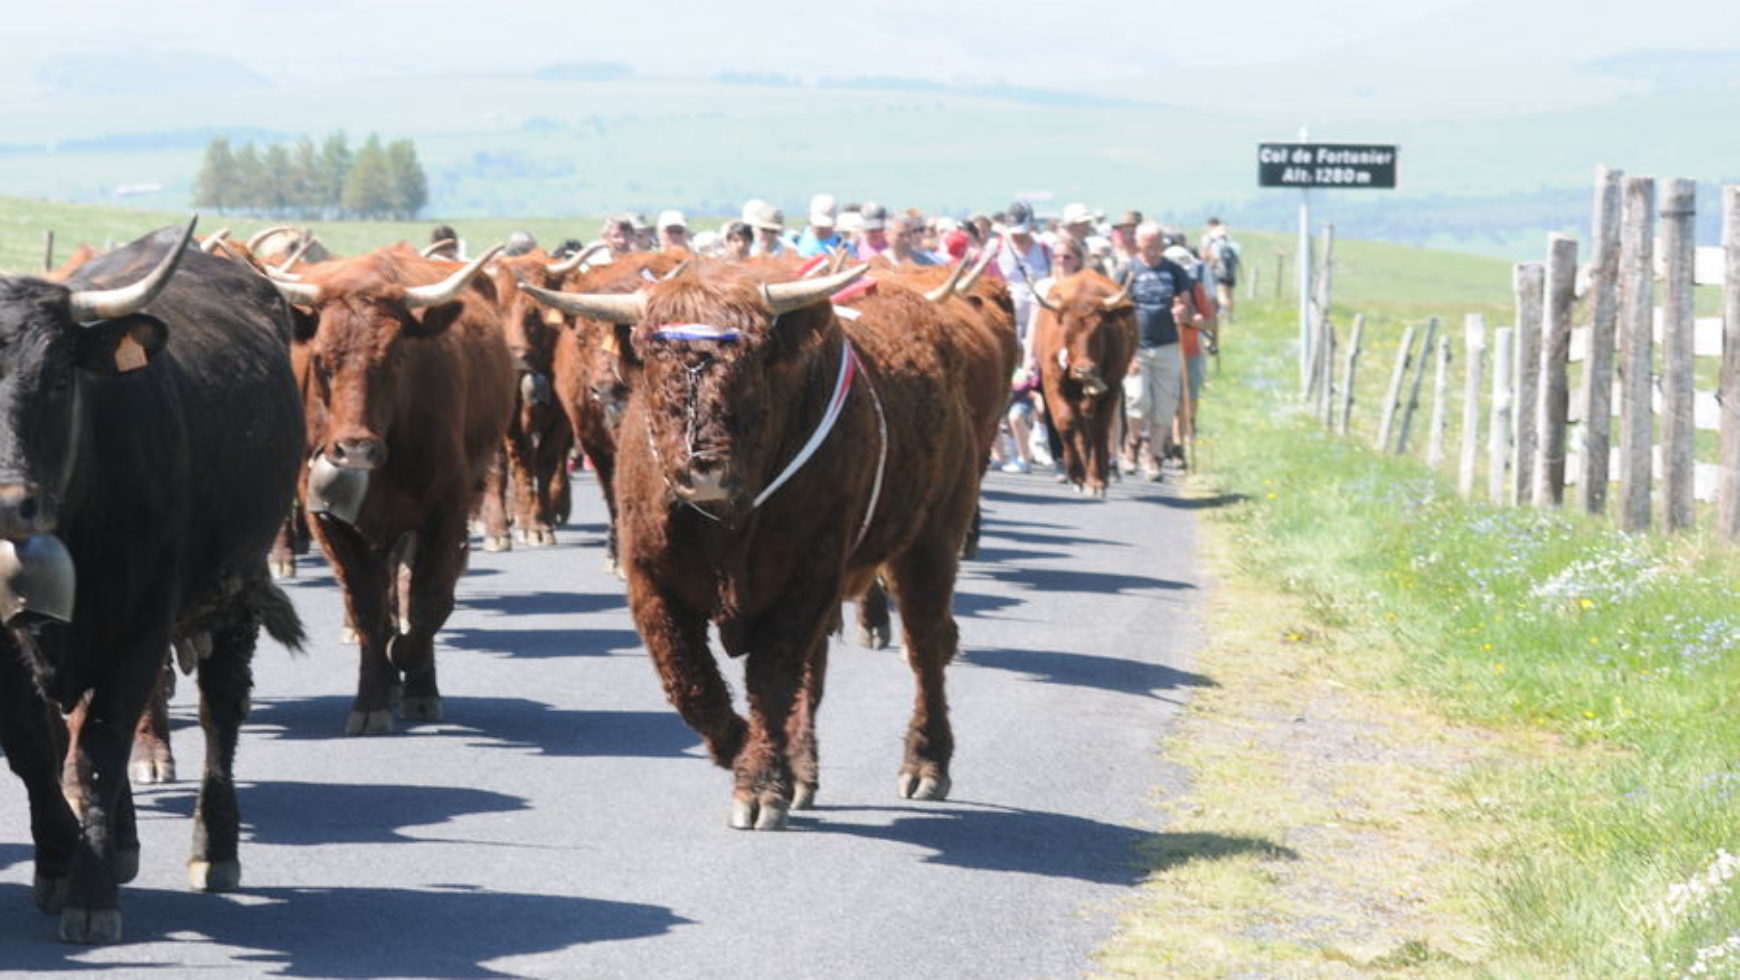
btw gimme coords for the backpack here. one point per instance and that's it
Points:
(1226, 260)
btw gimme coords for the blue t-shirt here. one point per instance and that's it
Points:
(808, 244)
(1152, 288)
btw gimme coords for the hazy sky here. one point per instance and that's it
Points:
(1057, 43)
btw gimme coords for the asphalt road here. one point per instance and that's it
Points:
(563, 822)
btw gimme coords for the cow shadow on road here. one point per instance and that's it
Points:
(11, 854)
(1195, 503)
(1088, 670)
(445, 931)
(1056, 845)
(1076, 580)
(539, 644)
(545, 603)
(495, 723)
(298, 814)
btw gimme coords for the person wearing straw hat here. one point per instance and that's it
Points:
(673, 231)
(821, 235)
(768, 223)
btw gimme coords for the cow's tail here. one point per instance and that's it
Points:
(278, 615)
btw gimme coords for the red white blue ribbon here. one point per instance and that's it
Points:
(698, 331)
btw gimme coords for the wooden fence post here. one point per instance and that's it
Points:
(1440, 404)
(1636, 313)
(48, 250)
(1280, 273)
(1474, 339)
(1678, 211)
(1604, 317)
(1251, 280)
(1395, 390)
(1426, 349)
(1326, 384)
(1728, 484)
(1554, 382)
(1353, 345)
(1530, 281)
(1498, 440)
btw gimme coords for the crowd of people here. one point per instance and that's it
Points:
(1182, 292)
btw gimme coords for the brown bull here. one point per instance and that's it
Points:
(590, 380)
(1084, 338)
(410, 386)
(539, 434)
(734, 380)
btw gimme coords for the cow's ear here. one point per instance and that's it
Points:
(304, 323)
(121, 345)
(432, 321)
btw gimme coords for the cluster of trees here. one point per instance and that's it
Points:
(302, 180)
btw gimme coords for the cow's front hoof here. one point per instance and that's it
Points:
(497, 542)
(750, 814)
(542, 538)
(421, 707)
(283, 568)
(804, 797)
(349, 636)
(50, 892)
(1097, 491)
(874, 637)
(214, 876)
(376, 722)
(915, 787)
(126, 864)
(152, 764)
(90, 926)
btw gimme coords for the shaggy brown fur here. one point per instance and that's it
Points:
(1081, 400)
(432, 390)
(771, 579)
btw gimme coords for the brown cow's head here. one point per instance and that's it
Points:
(357, 316)
(1082, 304)
(728, 368)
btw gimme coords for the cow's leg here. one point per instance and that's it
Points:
(225, 680)
(923, 579)
(784, 663)
(604, 467)
(801, 729)
(436, 564)
(970, 544)
(1077, 440)
(362, 572)
(522, 460)
(676, 640)
(549, 480)
(91, 914)
(874, 631)
(1094, 436)
(33, 740)
(493, 510)
(153, 761)
(561, 489)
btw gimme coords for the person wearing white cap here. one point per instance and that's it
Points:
(1022, 260)
(871, 242)
(822, 235)
(1077, 225)
(769, 224)
(673, 231)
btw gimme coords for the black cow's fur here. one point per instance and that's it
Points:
(180, 474)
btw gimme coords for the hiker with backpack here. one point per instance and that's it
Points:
(1222, 255)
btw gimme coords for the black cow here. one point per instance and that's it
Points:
(150, 436)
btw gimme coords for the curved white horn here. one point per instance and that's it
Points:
(941, 292)
(298, 293)
(676, 270)
(265, 233)
(1117, 299)
(576, 260)
(296, 256)
(214, 241)
(607, 307)
(783, 297)
(101, 304)
(978, 270)
(429, 250)
(447, 290)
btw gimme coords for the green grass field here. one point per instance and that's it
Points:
(1616, 658)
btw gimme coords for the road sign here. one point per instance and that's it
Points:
(1341, 165)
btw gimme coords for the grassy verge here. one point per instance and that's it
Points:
(1481, 741)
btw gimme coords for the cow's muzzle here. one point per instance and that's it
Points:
(534, 388)
(337, 491)
(358, 453)
(24, 511)
(37, 581)
(1091, 382)
(704, 481)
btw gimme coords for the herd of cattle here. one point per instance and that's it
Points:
(772, 438)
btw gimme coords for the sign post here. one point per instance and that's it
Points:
(1306, 165)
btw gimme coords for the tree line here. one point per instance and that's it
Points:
(303, 180)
